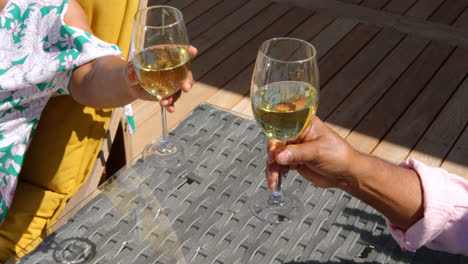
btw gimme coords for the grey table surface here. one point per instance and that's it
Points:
(199, 213)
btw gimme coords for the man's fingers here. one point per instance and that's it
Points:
(297, 153)
(272, 147)
(272, 172)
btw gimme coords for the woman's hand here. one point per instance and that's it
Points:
(139, 92)
(318, 154)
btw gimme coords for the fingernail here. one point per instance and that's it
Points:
(283, 156)
(164, 102)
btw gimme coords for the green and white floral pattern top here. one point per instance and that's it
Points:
(38, 54)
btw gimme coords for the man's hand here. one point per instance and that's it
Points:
(139, 92)
(318, 154)
(324, 158)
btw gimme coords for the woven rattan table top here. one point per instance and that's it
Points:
(199, 213)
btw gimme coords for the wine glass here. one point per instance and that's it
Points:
(161, 59)
(284, 97)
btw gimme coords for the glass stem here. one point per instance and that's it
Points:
(163, 147)
(277, 197)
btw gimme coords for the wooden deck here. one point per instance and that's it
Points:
(393, 72)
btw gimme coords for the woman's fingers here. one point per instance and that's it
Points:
(193, 51)
(187, 84)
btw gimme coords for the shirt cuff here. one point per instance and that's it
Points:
(437, 207)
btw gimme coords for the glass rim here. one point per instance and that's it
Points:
(313, 56)
(139, 12)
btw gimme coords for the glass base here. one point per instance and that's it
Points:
(264, 208)
(169, 155)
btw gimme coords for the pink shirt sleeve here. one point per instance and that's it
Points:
(445, 223)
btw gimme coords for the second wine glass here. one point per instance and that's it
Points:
(161, 59)
(284, 98)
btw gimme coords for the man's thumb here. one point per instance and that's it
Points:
(293, 154)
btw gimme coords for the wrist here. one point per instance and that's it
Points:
(353, 178)
(394, 191)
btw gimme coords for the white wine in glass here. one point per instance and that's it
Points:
(161, 59)
(284, 96)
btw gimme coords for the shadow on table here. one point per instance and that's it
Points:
(380, 248)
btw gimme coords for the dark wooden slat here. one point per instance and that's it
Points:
(236, 39)
(445, 130)
(213, 17)
(248, 12)
(354, 2)
(246, 54)
(240, 85)
(462, 21)
(425, 29)
(449, 11)
(197, 8)
(354, 41)
(345, 50)
(412, 125)
(381, 118)
(332, 34)
(396, 6)
(456, 161)
(356, 70)
(180, 4)
(312, 27)
(157, 2)
(375, 4)
(361, 100)
(424, 8)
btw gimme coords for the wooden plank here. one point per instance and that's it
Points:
(345, 50)
(462, 21)
(365, 96)
(445, 130)
(423, 9)
(342, 53)
(449, 11)
(220, 51)
(213, 17)
(246, 55)
(375, 4)
(315, 25)
(405, 24)
(355, 71)
(456, 161)
(239, 87)
(399, 6)
(180, 4)
(332, 35)
(251, 10)
(354, 2)
(411, 126)
(154, 2)
(197, 8)
(382, 117)
(244, 107)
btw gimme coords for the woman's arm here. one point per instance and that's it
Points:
(109, 81)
